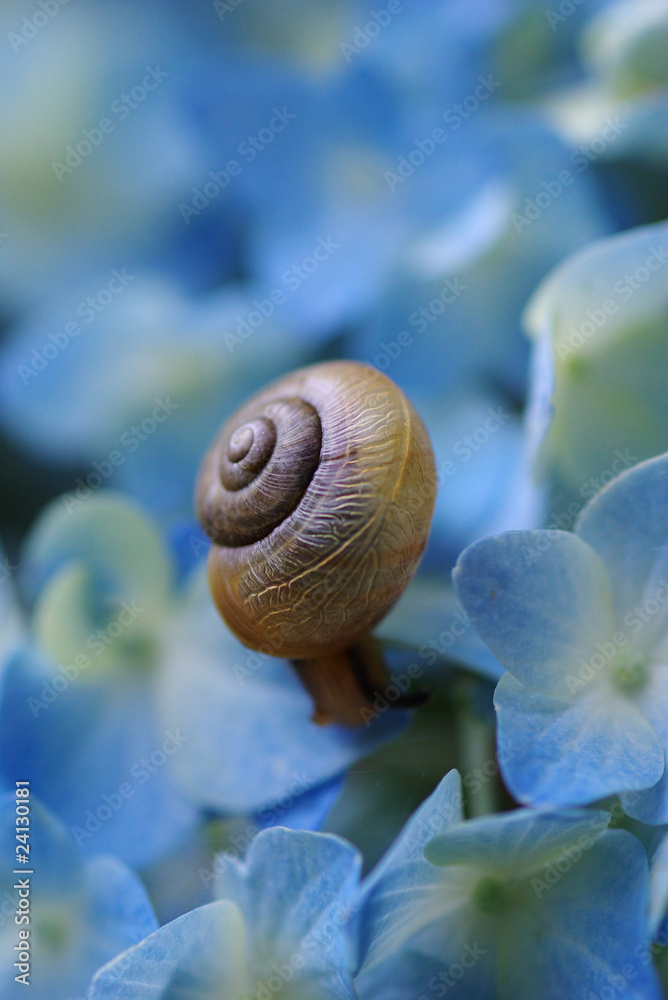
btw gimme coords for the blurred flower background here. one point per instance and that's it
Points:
(195, 198)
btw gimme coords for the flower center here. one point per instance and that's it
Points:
(53, 931)
(491, 896)
(629, 669)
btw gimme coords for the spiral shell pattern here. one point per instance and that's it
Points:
(318, 495)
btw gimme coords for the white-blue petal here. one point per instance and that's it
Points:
(570, 752)
(515, 843)
(404, 893)
(627, 525)
(199, 956)
(226, 696)
(587, 934)
(539, 599)
(296, 891)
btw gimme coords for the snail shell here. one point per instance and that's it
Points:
(318, 495)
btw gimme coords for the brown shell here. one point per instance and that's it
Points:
(318, 495)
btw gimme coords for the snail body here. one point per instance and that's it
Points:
(318, 495)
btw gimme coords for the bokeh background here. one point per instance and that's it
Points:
(196, 197)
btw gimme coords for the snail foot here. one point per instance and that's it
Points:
(350, 687)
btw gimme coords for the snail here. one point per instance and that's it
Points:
(318, 495)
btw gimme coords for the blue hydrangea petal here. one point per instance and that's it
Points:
(118, 901)
(404, 892)
(516, 842)
(223, 701)
(284, 923)
(550, 857)
(540, 600)
(154, 358)
(479, 451)
(568, 922)
(106, 734)
(410, 973)
(559, 753)
(82, 913)
(580, 940)
(296, 891)
(105, 576)
(111, 537)
(623, 45)
(200, 955)
(60, 861)
(539, 412)
(651, 806)
(627, 525)
(307, 811)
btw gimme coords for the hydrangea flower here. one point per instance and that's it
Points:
(599, 404)
(626, 43)
(619, 112)
(133, 389)
(452, 904)
(134, 708)
(108, 120)
(450, 308)
(580, 623)
(506, 907)
(482, 473)
(81, 912)
(279, 925)
(304, 38)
